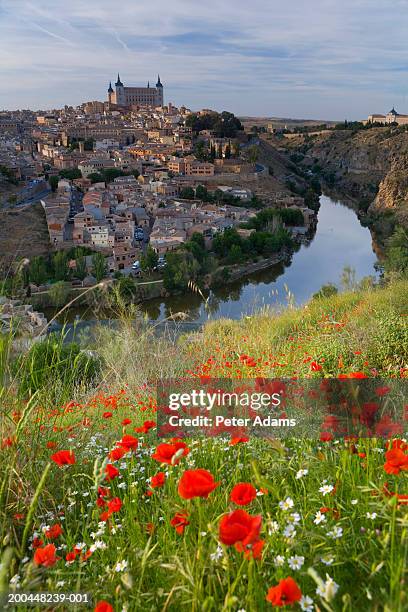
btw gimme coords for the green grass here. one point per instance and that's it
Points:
(365, 331)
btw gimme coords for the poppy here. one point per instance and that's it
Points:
(115, 504)
(179, 522)
(171, 453)
(396, 461)
(54, 531)
(158, 480)
(145, 427)
(128, 442)
(117, 453)
(243, 493)
(239, 526)
(45, 556)
(196, 483)
(111, 472)
(238, 440)
(64, 457)
(285, 593)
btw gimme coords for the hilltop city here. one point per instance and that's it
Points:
(134, 178)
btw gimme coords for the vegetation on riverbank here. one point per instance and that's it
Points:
(91, 501)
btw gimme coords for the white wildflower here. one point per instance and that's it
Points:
(296, 562)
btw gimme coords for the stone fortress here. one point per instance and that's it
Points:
(136, 96)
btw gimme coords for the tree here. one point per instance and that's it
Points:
(348, 278)
(397, 252)
(201, 193)
(58, 293)
(37, 270)
(253, 153)
(60, 266)
(53, 181)
(99, 268)
(187, 193)
(326, 291)
(95, 177)
(181, 268)
(71, 173)
(80, 267)
(150, 260)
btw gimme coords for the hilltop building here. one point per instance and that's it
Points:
(391, 117)
(136, 96)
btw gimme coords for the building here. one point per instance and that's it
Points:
(136, 96)
(391, 117)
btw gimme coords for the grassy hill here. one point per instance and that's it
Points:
(150, 526)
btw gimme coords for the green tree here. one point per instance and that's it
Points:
(95, 177)
(253, 154)
(60, 266)
(80, 267)
(187, 193)
(38, 270)
(58, 293)
(181, 268)
(53, 181)
(326, 291)
(397, 252)
(71, 173)
(149, 261)
(99, 267)
(201, 193)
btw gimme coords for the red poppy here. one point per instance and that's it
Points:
(107, 415)
(239, 526)
(285, 593)
(126, 422)
(45, 556)
(315, 367)
(103, 606)
(111, 472)
(128, 442)
(396, 461)
(158, 480)
(171, 453)
(145, 427)
(64, 457)
(196, 483)
(54, 531)
(243, 493)
(117, 453)
(238, 440)
(179, 522)
(114, 504)
(51, 444)
(37, 542)
(381, 391)
(251, 550)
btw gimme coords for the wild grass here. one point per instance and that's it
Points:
(138, 560)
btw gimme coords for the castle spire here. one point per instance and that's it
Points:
(110, 90)
(119, 82)
(159, 83)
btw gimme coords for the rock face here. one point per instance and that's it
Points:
(20, 318)
(370, 165)
(393, 193)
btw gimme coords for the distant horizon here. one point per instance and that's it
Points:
(329, 60)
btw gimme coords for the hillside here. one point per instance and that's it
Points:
(369, 165)
(23, 233)
(102, 505)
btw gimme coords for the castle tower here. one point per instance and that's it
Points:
(159, 89)
(120, 92)
(111, 96)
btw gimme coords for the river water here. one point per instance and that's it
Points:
(340, 240)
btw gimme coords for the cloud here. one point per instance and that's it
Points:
(324, 59)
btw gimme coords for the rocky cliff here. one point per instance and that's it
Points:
(370, 165)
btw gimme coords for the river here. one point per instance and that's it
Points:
(340, 241)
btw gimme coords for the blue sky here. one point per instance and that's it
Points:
(321, 59)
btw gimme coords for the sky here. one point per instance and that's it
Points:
(321, 59)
